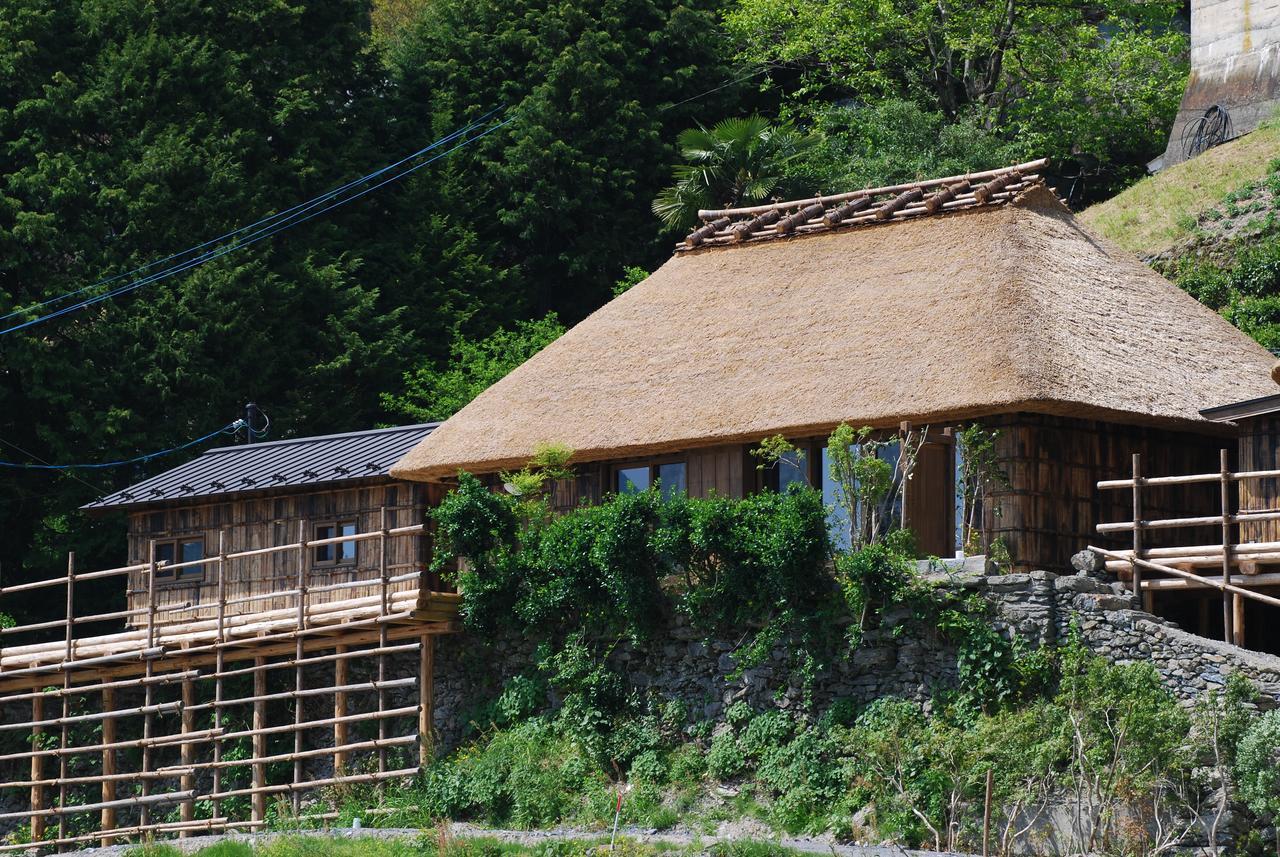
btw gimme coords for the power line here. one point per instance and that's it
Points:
(229, 428)
(287, 220)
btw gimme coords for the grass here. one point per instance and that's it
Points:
(1161, 210)
(440, 844)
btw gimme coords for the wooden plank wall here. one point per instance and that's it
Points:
(263, 522)
(1054, 464)
(1260, 450)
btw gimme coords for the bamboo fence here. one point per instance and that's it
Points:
(184, 726)
(1237, 564)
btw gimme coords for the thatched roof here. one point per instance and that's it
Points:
(1003, 305)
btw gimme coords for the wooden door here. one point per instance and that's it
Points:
(929, 501)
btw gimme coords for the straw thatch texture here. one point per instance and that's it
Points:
(994, 309)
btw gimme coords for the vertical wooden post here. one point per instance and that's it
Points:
(259, 802)
(1237, 618)
(382, 639)
(303, 557)
(188, 751)
(148, 695)
(63, 759)
(426, 698)
(340, 731)
(1137, 527)
(986, 815)
(219, 663)
(37, 770)
(1227, 607)
(108, 818)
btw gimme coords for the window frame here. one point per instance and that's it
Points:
(181, 576)
(337, 561)
(653, 465)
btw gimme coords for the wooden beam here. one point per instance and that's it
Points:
(426, 699)
(37, 772)
(341, 677)
(259, 802)
(188, 753)
(108, 819)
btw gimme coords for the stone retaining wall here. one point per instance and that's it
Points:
(898, 659)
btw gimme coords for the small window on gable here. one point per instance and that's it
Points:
(335, 553)
(174, 551)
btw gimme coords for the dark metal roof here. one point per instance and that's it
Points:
(1243, 410)
(325, 460)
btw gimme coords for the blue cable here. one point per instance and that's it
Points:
(251, 239)
(229, 428)
(285, 214)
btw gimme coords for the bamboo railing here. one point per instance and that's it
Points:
(171, 701)
(1237, 563)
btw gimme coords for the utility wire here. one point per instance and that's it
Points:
(229, 428)
(294, 216)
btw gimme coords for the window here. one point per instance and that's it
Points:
(633, 480)
(838, 522)
(336, 553)
(180, 550)
(671, 477)
(792, 468)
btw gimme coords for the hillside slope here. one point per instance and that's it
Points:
(1162, 210)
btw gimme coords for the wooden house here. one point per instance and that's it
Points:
(256, 496)
(977, 298)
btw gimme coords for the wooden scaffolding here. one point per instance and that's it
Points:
(183, 725)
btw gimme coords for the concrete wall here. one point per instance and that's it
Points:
(1235, 62)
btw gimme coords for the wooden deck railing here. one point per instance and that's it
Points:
(1179, 564)
(173, 671)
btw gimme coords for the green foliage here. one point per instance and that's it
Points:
(1097, 84)
(881, 143)
(597, 569)
(550, 462)
(431, 393)
(1257, 765)
(1246, 290)
(735, 162)
(632, 275)
(978, 475)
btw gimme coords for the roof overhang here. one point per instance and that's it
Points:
(1243, 410)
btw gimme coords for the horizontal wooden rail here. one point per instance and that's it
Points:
(373, 744)
(306, 692)
(1175, 523)
(1215, 583)
(1199, 478)
(137, 800)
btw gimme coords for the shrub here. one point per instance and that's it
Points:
(1257, 768)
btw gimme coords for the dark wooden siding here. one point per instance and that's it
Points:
(1260, 450)
(1052, 504)
(265, 522)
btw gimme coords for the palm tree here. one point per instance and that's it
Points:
(734, 162)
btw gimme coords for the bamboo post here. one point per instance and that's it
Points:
(1137, 528)
(1228, 599)
(340, 731)
(259, 801)
(108, 819)
(986, 816)
(426, 698)
(298, 668)
(63, 759)
(187, 782)
(148, 719)
(37, 771)
(382, 636)
(219, 667)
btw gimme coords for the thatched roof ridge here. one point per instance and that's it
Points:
(989, 309)
(865, 207)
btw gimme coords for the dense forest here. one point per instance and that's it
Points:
(133, 130)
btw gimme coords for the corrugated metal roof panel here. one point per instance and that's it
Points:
(323, 460)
